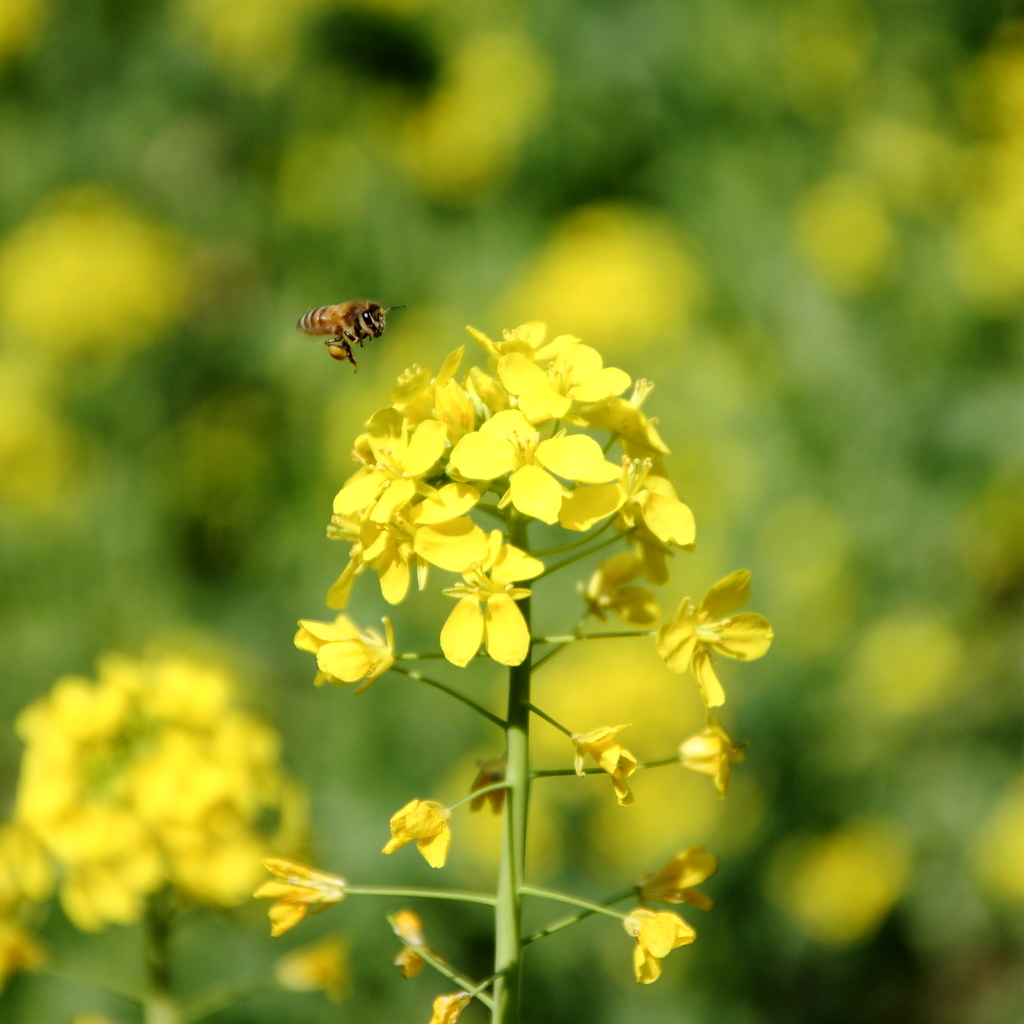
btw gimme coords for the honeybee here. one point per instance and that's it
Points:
(345, 325)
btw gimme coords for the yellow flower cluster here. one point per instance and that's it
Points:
(445, 444)
(26, 876)
(145, 777)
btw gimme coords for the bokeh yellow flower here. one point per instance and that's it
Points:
(509, 444)
(296, 891)
(674, 883)
(606, 591)
(712, 752)
(448, 1009)
(611, 755)
(26, 873)
(149, 775)
(108, 280)
(500, 623)
(490, 773)
(688, 641)
(408, 926)
(20, 21)
(19, 951)
(343, 654)
(426, 821)
(319, 967)
(656, 934)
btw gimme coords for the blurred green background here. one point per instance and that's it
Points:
(803, 221)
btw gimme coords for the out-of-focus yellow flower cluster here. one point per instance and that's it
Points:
(150, 776)
(20, 22)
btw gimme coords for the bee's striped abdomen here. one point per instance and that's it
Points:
(319, 321)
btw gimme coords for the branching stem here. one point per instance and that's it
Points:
(567, 922)
(581, 554)
(558, 897)
(547, 718)
(420, 678)
(478, 792)
(428, 894)
(550, 773)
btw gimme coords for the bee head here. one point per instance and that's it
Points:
(372, 319)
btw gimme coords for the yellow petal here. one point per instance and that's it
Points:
(360, 489)
(725, 596)
(745, 636)
(338, 595)
(668, 518)
(577, 457)
(393, 570)
(589, 505)
(646, 967)
(556, 346)
(513, 565)
(285, 916)
(578, 362)
(675, 642)
(425, 447)
(312, 634)
(707, 682)
(348, 660)
(603, 384)
(622, 791)
(450, 501)
(636, 605)
(540, 406)
(483, 341)
(508, 639)
(519, 374)
(480, 456)
(454, 545)
(396, 495)
(463, 632)
(450, 365)
(536, 493)
(511, 426)
(435, 848)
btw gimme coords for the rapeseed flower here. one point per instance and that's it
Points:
(509, 444)
(146, 777)
(448, 1009)
(399, 459)
(297, 890)
(689, 640)
(657, 933)
(674, 883)
(408, 926)
(319, 967)
(420, 397)
(500, 623)
(426, 821)
(712, 752)
(606, 591)
(575, 374)
(527, 339)
(26, 874)
(343, 654)
(614, 758)
(19, 951)
(490, 773)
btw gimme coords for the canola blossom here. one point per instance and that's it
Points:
(458, 474)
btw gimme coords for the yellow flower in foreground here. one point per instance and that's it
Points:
(18, 951)
(448, 1009)
(25, 871)
(675, 881)
(687, 642)
(345, 655)
(656, 935)
(420, 397)
(400, 458)
(611, 755)
(408, 926)
(500, 623)
(319, 967)
(426, 821)
(509, 443)
(527, 339)
(712, 752)
(606, 592)
(297, 889)
(575, 374)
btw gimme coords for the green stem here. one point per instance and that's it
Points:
(561, 647)
(428, 894)
(420, 678)
(87, 978)
(546, 894)
(220, 996)
(508, 921)
(549, 773)
(571, 638)
(576, 543)
(442, 967)
(159, 1006)
(567, 922)
(547, 718)
(478, 792)
(580, 555)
